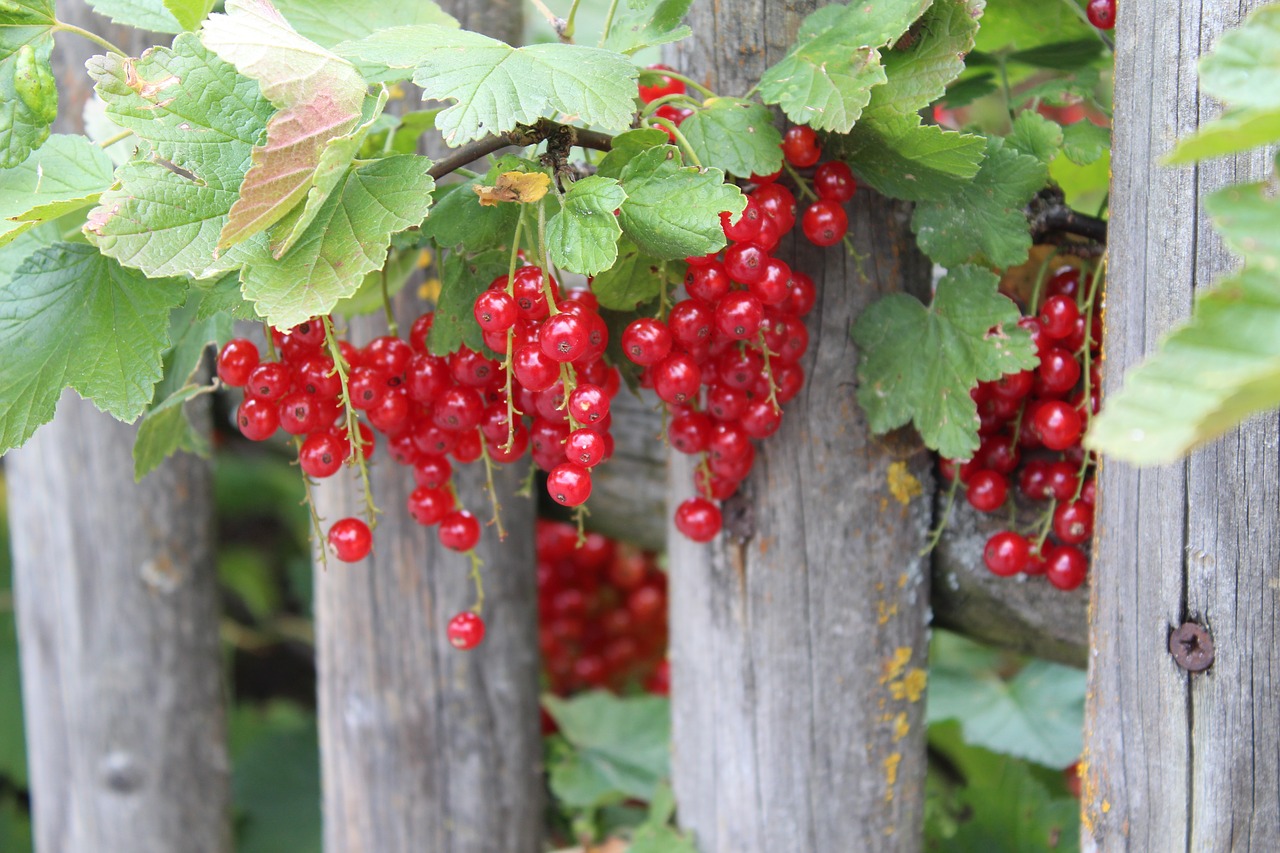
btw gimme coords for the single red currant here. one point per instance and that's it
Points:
(569, 484)
(459, 531)
(495, 310)
(428, 506)
(987, 490)
(834, 181)
(563, 337)
(646, 341)
(699, 519)
(1065, 566)
(466, 630)
(350, 540)
(321, 455)
(800, 146)
(739, 315)
(1102, 13)
(1058, 424)
(585, 447)
(1007, 553)
(1073, 522)
(236, 361)
(257, 419)
(825, 223)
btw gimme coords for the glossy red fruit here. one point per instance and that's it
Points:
(268, 381)
(800, 146)
(428, 506)
(459, 531)
(689, 432)
(987, 490)
(569, 484)
(1102, 13)
(1057, 424)
(1073, 522)
(563, 337)
(778, 204)
(530, 293)
(761, 418)
(432, 471)
(585, 447)
(676, 378)
(1007, 553)
(495, 310)
(236, 361)
(257, 419)
(350, 540)
(746, 225)
(691, 322)
(739, 315)
(804, 295)
(825, 223)
(1058, 316)
(646, 341)
(834, 180)
(321, 455)
(745, 262)
(699, 519)
(466, 630)
(1057, 374)
(1065, 566)
(299, 413)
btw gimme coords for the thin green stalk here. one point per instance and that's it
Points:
(386, 304)
(679, 97)
(354, 439)
(935, 535)
(568, 21)
(680, 139)
(62, 27)
(112, 140)
(688, 81)
(476, 563)
(493, 491)
(608, 22)
(511, 335)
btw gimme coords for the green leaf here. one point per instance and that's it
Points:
(201, 121)
(626, 146)
(333, 22)
(1248, 218)
(1009, 25)
(634, 278)
(223, 296)
(673, 212)
(276, 780)
(191, 336)
(583, 236)
(459, 220)
(462, 280)
(736, 136)
(1242, 67)
(983, 221)
(919, 363)
(115, 356)
(1235, 131)
(166, 429)
(619, 745)
(1036, 135)
(661, 839)
(399, 268)
(1084, 142)
(348, 238)
(190, 13)
(901, 158)
(1060, 55)
(1209, 374)
(27, 244)
(918, 75)
(648, 23)
(497, 87)
(319, 97)
(23, 126)
(65, 174)
(13, 748)
(150, 15)
(1038, 714)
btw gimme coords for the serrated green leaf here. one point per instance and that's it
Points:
(65, 174)
(583, 236)
(190, 335)
(1242, 67)
(223, 296)
(201, 120)
(917, 364)
(462, 280)
(983, 221)
(826, 78)
(673, 212)
(1037, 715)
(1208, 375)
(1248, 218)
(149, 15)
(26, 245)
(901, 158)
(1236, 131)
(626, 146)
(319, 97)
(1009, 25)
(634, 278)
(115, 356)
(347, 239)
(23, 127)
(918, 75)
(1060, 55)
(621, 745)
(736, 136)
(1036, 135)
(497, 87)
(332, 22)
(190, 13)
(459, 220)
(1085, 142)
(166, 429)
(648, 24)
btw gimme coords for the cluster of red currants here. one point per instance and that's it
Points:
(1031, 426)
(602, 613)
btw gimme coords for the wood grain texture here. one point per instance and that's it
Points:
(1178, 761)
(117, 610)
(797, 651)
(424, 747)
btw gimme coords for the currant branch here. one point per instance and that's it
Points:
(521, 137)
(1050, 215)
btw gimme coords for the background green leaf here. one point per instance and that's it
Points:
(619, 746)
(22, 128)
(65, 174)
(462, 280)
(583, 236)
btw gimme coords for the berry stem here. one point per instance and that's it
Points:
(354, 439)
(568, 21)
(476, 563)
(688, 81)
(1041, 276)
(580, 513)
(679, 137)
(676, 97)
(608, 22)
(663, 300)
(386, 304)
(768, 371)
(493, 492)
(317, 523)
(511, 336)
(112, 140)
(935, 535)
(526, 488)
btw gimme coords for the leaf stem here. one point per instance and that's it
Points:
(63, 27)
(386, 304)
(679, 137)
(688, 81)
(112, 140)
(608, 22)
(568, 21)
(557, 23)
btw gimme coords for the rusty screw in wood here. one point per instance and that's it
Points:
(1192, 647)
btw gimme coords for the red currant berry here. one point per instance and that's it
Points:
(459, 531)
(699, 519)
(563, 337)
(1102, 13)
(1058, 316)
(257, 419)
(268, 381)
(987, 490)
(585, 447)
(458, 409)
(689, 432)
(761, 418)
(533, 368)
(825, 223)
(745, 262)
(1013, 386)
(1065, 566)
(800, 146)
(529, 292)
(433, 472)
(676, 378)
(350, 540)
(495, 310)
(321, 455)
(1073, 522)
(569, 484)
(834, 181)
(775, 287)
(739, 315)
(646, 341)
(1007, 553)
(466, 630)
(1057, 374)
(366, 387)
(746, 225)
(589, 404)
(804, 295)
(691, 322)
(236, 361)
(428, 506)
(778, 204)
(419, 331)
(299, 413)
(1058, 424)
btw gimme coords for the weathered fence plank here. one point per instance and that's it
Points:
(798, 637)
(1177, 761)
(117, 611)
(424, 747)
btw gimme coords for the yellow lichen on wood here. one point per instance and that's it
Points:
(896, 665)
(885, 612)
(902, 483)
(891, 774)
(901, 728)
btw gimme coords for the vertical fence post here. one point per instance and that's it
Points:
(798, 637)
(1177, 761)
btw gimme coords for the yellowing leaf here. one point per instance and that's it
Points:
(521, 187)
